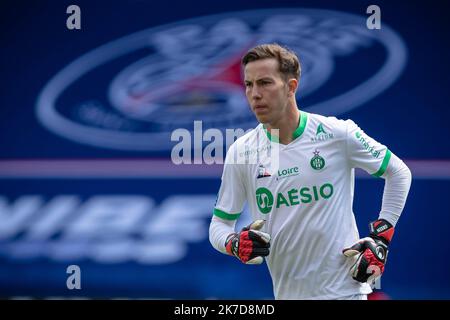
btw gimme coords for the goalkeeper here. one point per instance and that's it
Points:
(296, 172)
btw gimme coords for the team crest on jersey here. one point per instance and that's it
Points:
(322, 134)
(317, 162)
(262, 172)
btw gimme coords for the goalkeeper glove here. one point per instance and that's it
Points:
(250, 245)
(372, 250)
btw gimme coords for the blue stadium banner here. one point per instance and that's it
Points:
(116, 117)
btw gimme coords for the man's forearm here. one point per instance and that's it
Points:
(396, 188)
(219, 230)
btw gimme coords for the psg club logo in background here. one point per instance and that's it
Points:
(130, 94)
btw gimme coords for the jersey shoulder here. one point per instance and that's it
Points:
(319, 124)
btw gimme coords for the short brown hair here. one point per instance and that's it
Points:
(289, 64)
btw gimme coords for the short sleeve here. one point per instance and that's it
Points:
(365, 152)
(231, 197)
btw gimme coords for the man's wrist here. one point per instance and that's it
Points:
(381, 230)
(230, 243)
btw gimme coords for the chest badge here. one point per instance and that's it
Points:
(262, 172)
(317, 162)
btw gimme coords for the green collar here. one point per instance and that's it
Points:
(297, 133)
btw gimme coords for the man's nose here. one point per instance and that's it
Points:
(256, 94)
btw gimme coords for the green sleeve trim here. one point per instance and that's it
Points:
(225, 215)
(384, 164)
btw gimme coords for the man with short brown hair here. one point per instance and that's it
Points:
(301, 203)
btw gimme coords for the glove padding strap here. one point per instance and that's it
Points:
(250, 245)
(372, 250)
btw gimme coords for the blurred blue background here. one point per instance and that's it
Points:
(86, 176)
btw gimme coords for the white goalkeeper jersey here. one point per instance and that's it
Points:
(306, 196)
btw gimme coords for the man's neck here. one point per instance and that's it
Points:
(286, 125)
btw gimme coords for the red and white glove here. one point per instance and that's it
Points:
(372, 250)
(250, 245)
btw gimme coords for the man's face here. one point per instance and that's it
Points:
(266, 91)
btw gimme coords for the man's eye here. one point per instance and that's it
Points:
(248, 84)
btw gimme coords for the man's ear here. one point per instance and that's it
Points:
(292, 86)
